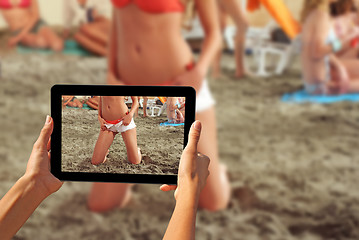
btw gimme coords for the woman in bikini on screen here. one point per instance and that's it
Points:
(115, 118)
(146, 48)
(27, 27)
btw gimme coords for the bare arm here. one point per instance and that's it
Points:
(192, 176)
(319, 45)
(135, 105)
(208, 14)
(30, 190)
(112, 76)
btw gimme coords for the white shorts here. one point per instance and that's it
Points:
(119, 127)
(204, 99)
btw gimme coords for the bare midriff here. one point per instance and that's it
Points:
(16, 17)
(150, 48)
(113, 107)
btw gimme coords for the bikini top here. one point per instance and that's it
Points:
(153, 6)
(5, 4)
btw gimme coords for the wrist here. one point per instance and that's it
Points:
(188, 196)
(34, 184)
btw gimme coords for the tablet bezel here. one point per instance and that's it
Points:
(57, 91)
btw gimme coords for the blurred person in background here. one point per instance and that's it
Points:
(345, 16)
(146, 48)
(38, 183)
(27, 27)
(323, 71)
(94, 23)
(233, 9)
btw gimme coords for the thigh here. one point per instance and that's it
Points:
(234, 9)
(49, 35)
(103, 143)
(352, 66)
(216, 193)
(130, 140)
(30, 40)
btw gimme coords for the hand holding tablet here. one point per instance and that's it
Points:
(87, 146)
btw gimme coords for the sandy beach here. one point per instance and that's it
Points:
(293, 167)
(161, 146)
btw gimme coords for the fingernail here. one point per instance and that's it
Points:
(197, 125)
(48, 119)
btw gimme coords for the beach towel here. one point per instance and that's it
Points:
(71, 47)
(302, 96)
(84, 106)
(166, 124)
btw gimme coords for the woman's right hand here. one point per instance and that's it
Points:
(193, 168)
(102, 123)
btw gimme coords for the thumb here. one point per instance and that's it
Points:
(45, 134)
(194, 135)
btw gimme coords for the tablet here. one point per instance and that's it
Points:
(101, 134)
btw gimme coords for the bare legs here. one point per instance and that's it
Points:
(103, 143)
(94, 36)
(216, 194)
(353, 70)
(106, 196)
(234, 10)
(44, 38)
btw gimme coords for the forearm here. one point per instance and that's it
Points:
(211, 45)
(28, 27)
(183, 220)
(18, 205)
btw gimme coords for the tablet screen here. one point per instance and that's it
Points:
(133, 134)
(122, 134)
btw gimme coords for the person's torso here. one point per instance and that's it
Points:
(150, 48)
(113, 107)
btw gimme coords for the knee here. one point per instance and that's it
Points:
(58, 45)
(98, 205)
(242, 26)
(40, 42)
(84, 28)
(216, 204)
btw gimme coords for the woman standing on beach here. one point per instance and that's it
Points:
(27, 27)
(146, 48)
(323, 72)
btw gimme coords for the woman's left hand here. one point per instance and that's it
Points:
(127, 119)
(193, 78)
(38, 166)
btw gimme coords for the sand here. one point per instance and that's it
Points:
(161, 146)
(293, 168)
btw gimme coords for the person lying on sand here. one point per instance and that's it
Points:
(38, 183)
(93, 102)
(27, 27)
(71, 101)
(323, 71)
(174, 113)
(115, 118)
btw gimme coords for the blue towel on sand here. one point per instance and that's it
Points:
(302, 96)
(165, 124)
(84, 106)
(71, 47)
